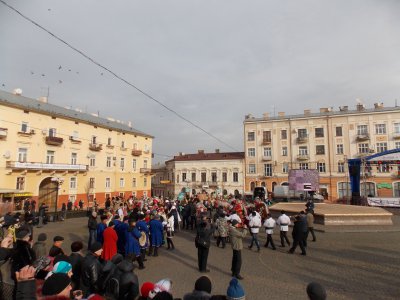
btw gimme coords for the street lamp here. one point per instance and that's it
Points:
(59, 181)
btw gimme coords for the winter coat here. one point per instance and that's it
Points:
(197, 295)
(76, 260)
(132, 243)
(22, 256)
(205, 231)
(100, 229)
(91, 275)
(222, 226)
(40, 249)
(92, 223)
(110, 243)
(142, 227)
(297, 232)
(310, 220)
(128, 281)
(156, 231)
(121, 228)
(237, 236)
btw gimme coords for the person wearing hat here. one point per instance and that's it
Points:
(298, 236)
(110, 242)
(100, 228)
(58, 284)
(236, 235)
(283, 222)
(202, 289)
(235, 291)
(92, 226)
(76, 259)
(141, 225)
(132, 247)
(145, 289)
(40, 246)
(92, 270)
(204, 232)
(315, 291)
(156, 232)
(56, 248)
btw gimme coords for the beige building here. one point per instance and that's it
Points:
(323, 141)
(218, 172)
(55, 154)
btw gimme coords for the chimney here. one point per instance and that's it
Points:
(200, 151)
(360, 107)
(281, 114)
(266, 116)
(216, 150)
(378, 105)
(17, 92)
(249, 116)
(43, 99)
(343, 108)
(324, 110)
(180, 153)
(307, 112)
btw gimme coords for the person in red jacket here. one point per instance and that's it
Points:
(110, 242)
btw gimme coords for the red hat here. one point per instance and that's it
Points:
(95, 297)
(146, 288)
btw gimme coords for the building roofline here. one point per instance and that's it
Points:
(208, 156)
(22, 102)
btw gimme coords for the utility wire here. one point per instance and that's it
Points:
(118, 76)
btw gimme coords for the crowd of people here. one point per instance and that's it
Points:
(124, 234)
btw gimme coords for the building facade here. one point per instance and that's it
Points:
(323, 141)
(53, 154)
(220, 173)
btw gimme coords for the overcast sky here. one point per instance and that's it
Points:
(211, 61)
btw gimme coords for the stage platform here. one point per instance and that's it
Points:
(331, 215)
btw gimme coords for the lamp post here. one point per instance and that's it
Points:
(59, 181)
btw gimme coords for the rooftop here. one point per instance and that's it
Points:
(30, 104)
(201, 155)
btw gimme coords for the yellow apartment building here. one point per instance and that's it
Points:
(323, 141)
(54, 155)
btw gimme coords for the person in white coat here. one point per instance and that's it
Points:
(170, 231)
(284, 222)
(254, 224)
(269, 225)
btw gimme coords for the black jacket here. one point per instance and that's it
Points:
(128, 281)
(91, 274)
(76, 262)
(205, 231)
(297, 232)
(22, 256)
(92, 223)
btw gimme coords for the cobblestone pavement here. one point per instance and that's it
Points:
(350, 265)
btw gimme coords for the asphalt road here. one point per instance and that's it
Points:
(350, 265)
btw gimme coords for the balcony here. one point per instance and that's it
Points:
(54, 141)
(74, 140)
(110, 146)
(145, 170)
(267, 158)
(3, 133)
(362, 154)
(396, 136)
(35, 166)
(303, 157)
(146, 151)
(362, 137)
(95, 147)
(26, 133)
(136, 152)
(302, 139)
(123, 149)
(266, 142)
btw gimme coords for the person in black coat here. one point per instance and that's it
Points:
(92, 271)
(92, 226)
(204, 233)
(298, 236)
(186, 216)
(76, 260)
(128, 281)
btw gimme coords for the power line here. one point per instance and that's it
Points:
(117, 76)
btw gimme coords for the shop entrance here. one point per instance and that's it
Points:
(48, 193)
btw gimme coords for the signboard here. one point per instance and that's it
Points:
(307, 187)
(297, 179)
(384, 202)
(387, 157)
(40, 166)
(18, 195)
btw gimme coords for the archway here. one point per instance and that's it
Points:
(252, 186)
(273, 186)
(48, 192)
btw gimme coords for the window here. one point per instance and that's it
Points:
(183, 177)
(362, 129)
(396, 128)
(108, 163)
(367, 189)
(320, 149)
(92, 162)
(177, 178)
(339, 149)
(203, 177)
(145, 193)
(251, 136)
(303, 166)
(50, 157)
(252, 168)
(133, 182)
(214, 176)
(396, 189)
(344, 190)
(122, 163)
(397, 145)
(284, 134)
(134, 164)
(267, 151)
(24, 127)
(135, 146)
(52, 132)
(22, 154)
(122, 144)
(303, 150)
(321, 167)
(146, 148)
(339, 131)
(363, 148)
(267, 136)
(193, 177)
(268, 170)
(108, 182)
(121, 182)
(251, 152)
(235, 177)
(94, 139)
(302, 133)
(75, 135)
(145, 163)
(72, 183)
(224, 177)
(285, 168)
(340, 167)
(20, 183)
(380, 128)
(284, 151)
(145, 182)
(91, 182)
(74, 158)
(380, 147)
(109, 140)
(319, 132)
(384, 168)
